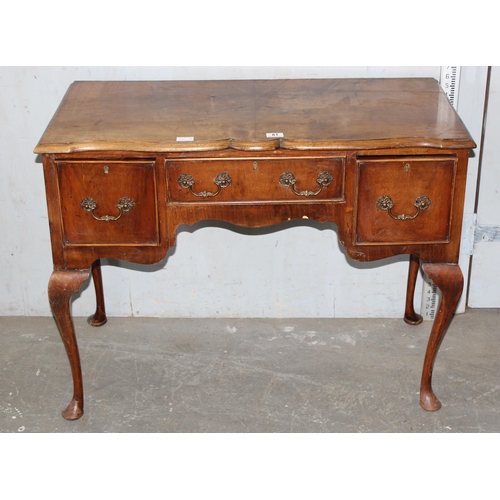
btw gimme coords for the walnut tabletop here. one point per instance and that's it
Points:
(127, 163)
(155, 116)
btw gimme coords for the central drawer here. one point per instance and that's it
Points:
(256, 180)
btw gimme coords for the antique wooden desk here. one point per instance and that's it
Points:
(126, 163)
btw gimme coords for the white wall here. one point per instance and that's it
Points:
(485, 272)
(213, 271)
(472, 95)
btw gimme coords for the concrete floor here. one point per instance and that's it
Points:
(259, 375)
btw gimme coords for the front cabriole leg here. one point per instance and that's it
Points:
(449, 279)
(62, 285)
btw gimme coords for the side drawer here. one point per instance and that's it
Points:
(108, 202)
(404, 200)
(256, 180)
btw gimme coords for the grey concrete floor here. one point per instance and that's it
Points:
(255, 375)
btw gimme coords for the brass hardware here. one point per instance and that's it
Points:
(106, 169)
(255, 165)
(421, 203)
(288, 180)
(407, 167)
(124, 205)
(222, 180)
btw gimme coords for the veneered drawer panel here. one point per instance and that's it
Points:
(404, 200)
(256, 180)
(121, 194)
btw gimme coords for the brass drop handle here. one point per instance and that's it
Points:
(421, 203)
(222, 180)
(124, 205)
(288, 180)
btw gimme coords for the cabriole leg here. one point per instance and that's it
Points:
(411, 317)
(62, 285)
(449, 279)
(99, 317)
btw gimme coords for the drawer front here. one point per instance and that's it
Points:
(404, 200)
(111, 202)
(256, 180)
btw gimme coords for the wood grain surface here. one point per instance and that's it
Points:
(150, 116)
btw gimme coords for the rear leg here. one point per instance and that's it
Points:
(99, 317)
(411, 317)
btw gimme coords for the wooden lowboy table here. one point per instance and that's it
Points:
(126, 163)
